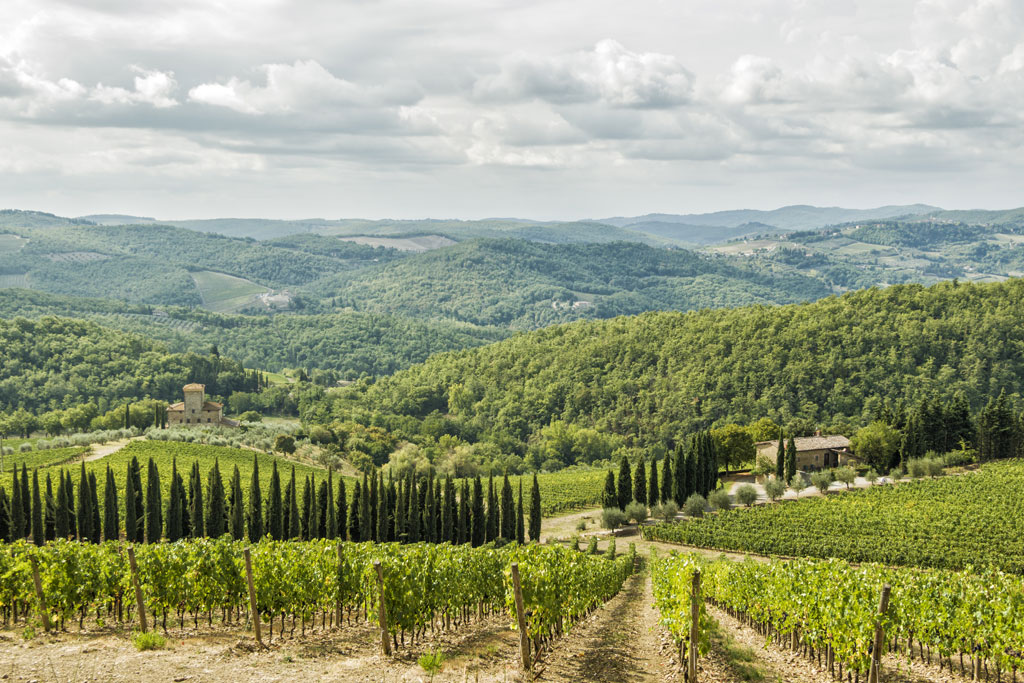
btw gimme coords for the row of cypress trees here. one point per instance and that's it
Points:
(683, 473)
(785, 459)
(407, 510)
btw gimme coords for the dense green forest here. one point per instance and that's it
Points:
(526, 285)
(349, 344)
(661, 375)
(58, 363)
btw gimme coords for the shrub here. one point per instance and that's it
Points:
(871, 476)
(821, 480)
(798, 484)
(774, 488)
(720, 499)
(592, 546)
(934, 466)
(694, 505)
(895, 474)
(610, 550)
(636, 512)
(847, 475)
(150, 640)
(581, 525)
(431, 662)
(284, 443)
(666, 511)
(613, 518)
(963, 456)
(25, 447)
(916, 468)
(746, 495)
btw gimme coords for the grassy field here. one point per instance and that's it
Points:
(418, 244)
(10, 244)
(559, 491)
(225, 293)
(47, 458)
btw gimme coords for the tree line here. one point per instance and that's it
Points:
(685, 472)
(407, 509)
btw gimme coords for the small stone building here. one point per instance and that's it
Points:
(195, 409)
(812, 452)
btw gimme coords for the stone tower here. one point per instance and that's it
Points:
(194, 399)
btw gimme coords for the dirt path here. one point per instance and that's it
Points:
(618, 643)
(102, 450)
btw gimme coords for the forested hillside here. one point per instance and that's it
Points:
(57, 363)
(526, 285)
(661, 375)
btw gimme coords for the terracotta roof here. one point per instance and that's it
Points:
(180, 405)
(814, 443)
(195, 387)
(212, 405)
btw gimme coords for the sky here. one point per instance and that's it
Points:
(479, 108)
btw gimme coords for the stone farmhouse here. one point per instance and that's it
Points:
(195, 409)
(812, 452)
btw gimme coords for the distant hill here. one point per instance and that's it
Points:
(116, 219)
(1009, 217)
(14, 218)
(525, 285)
(797, 217)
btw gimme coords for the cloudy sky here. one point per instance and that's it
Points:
(473, 108)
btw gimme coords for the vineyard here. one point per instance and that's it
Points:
(568, 490)
(827, 609)
(43, 458)
(426, 586)
(947, 523)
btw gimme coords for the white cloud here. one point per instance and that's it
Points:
(151, 87)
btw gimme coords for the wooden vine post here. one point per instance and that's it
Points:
(876, 647)
(382, 614)
(140, 604)
(43, 614)
(252, 598)
(524, 637)
(691, 669)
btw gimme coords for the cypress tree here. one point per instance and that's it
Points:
(790, 459)
(321, 510)
(85, 531)
(216, 522)
(61, 526)
(535, 509)
(135, 472)
(382, 514)
(94, 505)
(610, 498)
(413, 520)
(306, 526)
(51, 510)
(197, 510)
(286, 507)
(520, 526)
(69, 505)
(353, 516)
(712, 461)
(681, 471)
(428, 513)
(692, 473)
(912, 445)
(332, 513)
(5, 517)
(38, 536)
(236, 511)
(491, 531)
(400, 510)
(365, 516)
(274, 523)
(478, 522)
(392, 509)
(449, 512)
(625, 490)
(666, 478)
(373, 508)
(294, 516)
(255, 511)
(462, 528)
(26, 500)
(508, 511)
(640, 481)
(653, 490)
(780, 460)
(17, 511)
(111, 518)
(130, 523)
(175, 513)
(154, 504)
(341, 509)
(438, 538)
(314, 514)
